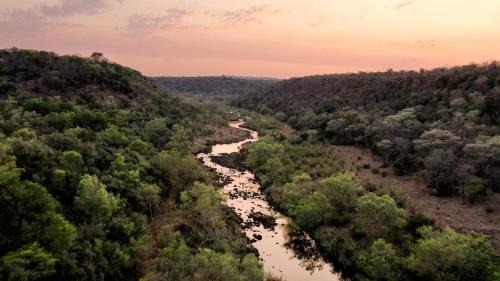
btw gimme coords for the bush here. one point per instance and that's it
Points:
(440, 172)
(474, 190)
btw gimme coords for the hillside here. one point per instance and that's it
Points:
(215, 87)
(93, 161)
(444, 122)
(45, 73)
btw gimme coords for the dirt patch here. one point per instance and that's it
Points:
(449, 211)
(221, 135)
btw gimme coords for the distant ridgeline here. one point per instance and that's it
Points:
(444, 121)
(215, 86)
(89, 153)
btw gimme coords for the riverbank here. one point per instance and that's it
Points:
(270, 239)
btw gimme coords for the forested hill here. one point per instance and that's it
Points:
(93, 161)
(45, 73)
(416, 120)
(379, 91)
(218, 86)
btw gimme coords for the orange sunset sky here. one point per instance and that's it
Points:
(279, 38)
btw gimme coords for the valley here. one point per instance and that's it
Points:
(354, 183)
(271, 239)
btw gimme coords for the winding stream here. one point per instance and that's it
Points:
(273, 243)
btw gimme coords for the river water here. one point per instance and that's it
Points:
(243, 195)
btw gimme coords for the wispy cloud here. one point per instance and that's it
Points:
(403, 5)
(73, 7)
(417, 44)
(20, 22)
(425, 43)
(320, 20)
(243, 16)
(145, 24)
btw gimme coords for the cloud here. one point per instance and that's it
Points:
(27, 23)
(425, 43)
(19, 22)
(320, 20)
(416, 44)
(144, 24)
(403, 4)
(243, 16)
(73, 7)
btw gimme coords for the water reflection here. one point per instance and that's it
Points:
(287, 254)
(304, 249)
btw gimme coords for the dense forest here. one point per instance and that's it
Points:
(443, 123)
(216, 87)
(368, 231)
(98, 180)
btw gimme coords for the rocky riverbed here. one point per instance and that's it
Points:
(282, 254)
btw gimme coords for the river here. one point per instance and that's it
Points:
(273, 243)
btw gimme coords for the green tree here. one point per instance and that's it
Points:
(149, 195)
(485, 154)
(156, 131)
(203, 204)
(178, 171)
(180, 139)
(437, 139)
(312, 210)
(342, 190)
(211, 265)
(297, 189)
(380, 216)
(93, 199)
(113, 136)
(380, 263)
(27, 263)
(72, 161)
(441, 172)
(29, 215)
(251, 268)
(448, 255)
(260, 152)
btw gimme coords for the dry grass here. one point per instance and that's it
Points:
(221, 135)
(448, 211)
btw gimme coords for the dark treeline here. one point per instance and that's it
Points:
(218, 87)
(98, 181)
(443, 122)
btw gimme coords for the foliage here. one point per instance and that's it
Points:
(379, 215)
(447, 255)
(27, 263)
(440, 172)
(380, 263)
(178, 170)
(401, 115)
(93, 199)
(219, 88)
(342, 190)
(84, 172)
(367, 236)
(312, 211)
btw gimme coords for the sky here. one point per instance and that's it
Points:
(278, 38)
